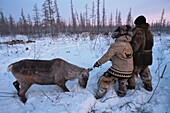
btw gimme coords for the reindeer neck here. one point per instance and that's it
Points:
(75, 72)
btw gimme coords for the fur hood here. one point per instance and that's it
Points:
(144, 26)
(124, 38)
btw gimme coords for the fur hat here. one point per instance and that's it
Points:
(122, 30)
(125, 28)
(140, 20)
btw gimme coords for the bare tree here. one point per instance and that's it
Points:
(104, 14)
(162, 17)
(36, 18)
(30, 29)
(111, 22)
(73, 17)
(77, 16)
(11, 25)
(98, 16)
(46, 25)
(87, 19)
(82, 21)
(116, 18)
(86, 13)
(3, 24)
(119, 19)
(48, 21)
(23, 23)
(78, 22)
(63, 26)
(129, 18)
(93, 15)
(57, 16)
(51, 17)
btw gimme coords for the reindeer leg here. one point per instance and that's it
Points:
(16, 85)
(64, 88)
(22, 91)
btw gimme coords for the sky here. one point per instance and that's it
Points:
(152, 9)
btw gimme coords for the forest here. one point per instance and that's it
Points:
(47, 21)
(81, 40)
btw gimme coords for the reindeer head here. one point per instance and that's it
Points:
(83, 78)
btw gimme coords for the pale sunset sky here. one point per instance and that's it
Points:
(152, 9)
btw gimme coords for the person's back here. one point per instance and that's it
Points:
(123, 58)
(142, 43)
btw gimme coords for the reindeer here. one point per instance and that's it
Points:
(45, 72)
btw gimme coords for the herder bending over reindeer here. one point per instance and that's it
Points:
(121, 55)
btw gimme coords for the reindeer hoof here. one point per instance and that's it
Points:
(130, 87)
(16, 85)
(23, 99)
(100, 92)
(148, 87)
(66, 90)
(121, 93)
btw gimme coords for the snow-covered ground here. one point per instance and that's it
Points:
(83, 52)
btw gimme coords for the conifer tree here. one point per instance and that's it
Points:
(36, 18)
(129, 18)
(23, 23)
(104, 18)
(11, 25)
(119, 19)
(98, 15)
(74, 23)
(58, 21)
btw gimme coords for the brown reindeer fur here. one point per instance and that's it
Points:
(45, 72)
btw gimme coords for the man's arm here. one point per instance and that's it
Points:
(108, 55)
(136, 41)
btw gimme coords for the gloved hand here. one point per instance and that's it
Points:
(97, 64)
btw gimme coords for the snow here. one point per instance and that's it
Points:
(84, 52)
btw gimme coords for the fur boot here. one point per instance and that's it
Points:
(100, 92)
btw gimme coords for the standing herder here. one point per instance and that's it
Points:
(142, 43)
(121, 55)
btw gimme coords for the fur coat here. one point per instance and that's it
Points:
(142, 43)
(121, 55)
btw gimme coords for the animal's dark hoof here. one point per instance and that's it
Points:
(148, 87)
(98, 97)
(100, 93)
(121, 93)
(23, 99)
(130, 87)
(16, 85)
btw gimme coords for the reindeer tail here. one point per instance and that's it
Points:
(10, 68)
